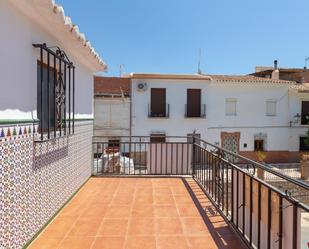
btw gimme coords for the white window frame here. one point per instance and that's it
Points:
(268, 112)
(229, 101)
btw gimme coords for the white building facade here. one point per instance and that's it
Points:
(46, 115)
(244, 114)
(112, 107)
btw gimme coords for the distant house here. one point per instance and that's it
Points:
(300, 75)
(112, 107)
(244, 114)
(46, 115)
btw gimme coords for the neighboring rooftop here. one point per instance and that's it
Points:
(248, 78)
(168, 76)
(219, 78)
(299, 75)
(111, 86)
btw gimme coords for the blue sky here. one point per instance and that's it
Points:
(165, 36)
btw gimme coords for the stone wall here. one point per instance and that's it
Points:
(36, 179)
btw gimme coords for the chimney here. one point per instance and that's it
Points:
(275, 64)
(275, 72)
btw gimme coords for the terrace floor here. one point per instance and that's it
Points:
(138, 213)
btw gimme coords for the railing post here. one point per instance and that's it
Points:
(193, 154)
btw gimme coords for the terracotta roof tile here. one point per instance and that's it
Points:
(248, 78)
(111, 85)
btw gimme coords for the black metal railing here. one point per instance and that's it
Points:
(56, 92)
(189, 113)
(254, 208)
(141, 156)
(265, 216)
(165, 113)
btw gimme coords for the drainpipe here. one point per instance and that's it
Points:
(130, 129)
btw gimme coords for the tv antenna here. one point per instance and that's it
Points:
(306, 60)
(121, 67)
(199, 71)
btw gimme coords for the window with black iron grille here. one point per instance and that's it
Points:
(55, 92)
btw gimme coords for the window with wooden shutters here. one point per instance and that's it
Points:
(230, 107)
(271, 106)
(303, 146)
(158, 103)
(157, 138)
(304, 112)
(193, 107)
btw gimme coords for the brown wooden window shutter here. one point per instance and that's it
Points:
(193, 102)
(158, 102)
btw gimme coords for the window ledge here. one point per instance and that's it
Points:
(166, 117)
(200, 117)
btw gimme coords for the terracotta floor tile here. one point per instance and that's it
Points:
(94, 210)
(164, 200)
(232, 241)
(97, 216)
(140, 210)
(188, 211)
(72, 210)
(86, 226)
(168, 226)
(143, 191)
(182, 199)
(45, 243)
(162, 191)
(59, 227)
(118, 212)
(172, 242)
(113, 227)
(165, 211)
(122, 200)
(141, 242)
(141, 226)
(195, 226)
(143, 200)
(179, 190)
(76, 243)
(125, 191)
(202, 242)
(102, 199)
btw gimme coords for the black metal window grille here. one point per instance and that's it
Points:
(55, 92)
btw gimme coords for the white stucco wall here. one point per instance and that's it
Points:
(112, 116)
(251, 118)
(176, 97)
(18, 68)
